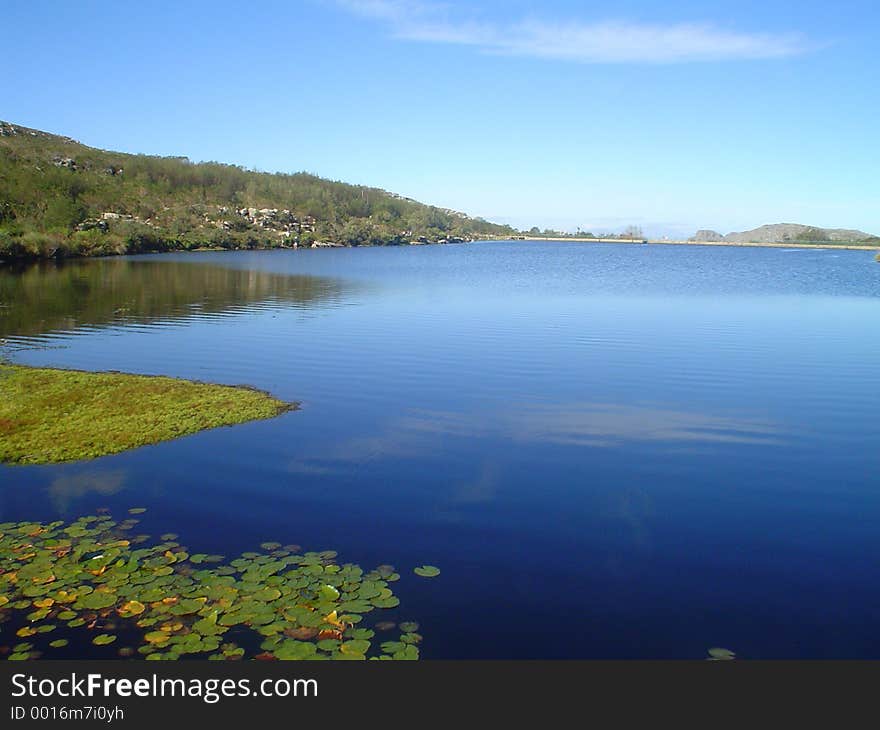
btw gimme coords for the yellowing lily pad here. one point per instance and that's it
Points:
(131, 608)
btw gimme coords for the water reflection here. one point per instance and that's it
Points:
(596, 425)
(82, 294)
(482, 488)
(609, 425)
(67, 490)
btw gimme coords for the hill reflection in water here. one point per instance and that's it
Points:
(61, 297)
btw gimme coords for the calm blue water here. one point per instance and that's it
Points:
(609, 450)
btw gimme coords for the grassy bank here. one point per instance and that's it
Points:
(49, 416)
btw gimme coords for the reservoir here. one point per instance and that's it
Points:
(609, 451)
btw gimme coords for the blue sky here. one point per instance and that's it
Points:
(674, 115)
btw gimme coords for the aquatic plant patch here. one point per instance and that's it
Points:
(49, 415)
(89, 582)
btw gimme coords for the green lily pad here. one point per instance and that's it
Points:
(427, 571)
(356, 646)
(719, 654)
(392, 647)
(294, 650)
(410, 653)
(267, 594)
(356, 606)
(391, 602)
(103, 639)
(97, 600)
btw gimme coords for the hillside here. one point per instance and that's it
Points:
(789, 233)
(61, 198)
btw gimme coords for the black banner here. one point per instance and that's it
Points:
(404, 694)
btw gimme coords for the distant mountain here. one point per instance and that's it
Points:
(788, 233)
(59, 197)
(708, 236)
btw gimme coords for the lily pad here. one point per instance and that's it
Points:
(719, 654)
(356, 646)
(293, 650)
(410, 653)
(392, 647)
(157, 637)
(97, 600)
(390, 602)
(427, 571)
(131, 608)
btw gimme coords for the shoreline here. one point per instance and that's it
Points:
(10, 263)
(822, 245)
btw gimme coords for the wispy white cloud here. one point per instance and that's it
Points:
(609, 41)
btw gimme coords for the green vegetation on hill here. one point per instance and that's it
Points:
(49, 416)
(61, 198)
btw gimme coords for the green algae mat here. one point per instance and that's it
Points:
(49, 415)
(93, 588)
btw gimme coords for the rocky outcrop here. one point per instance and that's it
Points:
(67, 162)
(706, 235)
(281, 221)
